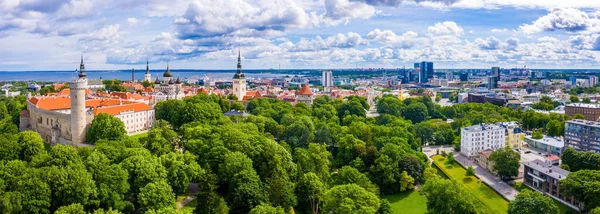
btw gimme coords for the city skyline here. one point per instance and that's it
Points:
(205, 34)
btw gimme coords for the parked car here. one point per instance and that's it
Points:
(527, 152)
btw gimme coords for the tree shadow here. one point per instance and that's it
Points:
(468, 180)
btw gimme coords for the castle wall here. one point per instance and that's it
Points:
(50, 125)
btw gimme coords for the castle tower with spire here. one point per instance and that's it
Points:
(147, 76)
(78, 110)
(239, 80)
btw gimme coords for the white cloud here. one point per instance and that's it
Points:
(406, 40)
(343, 10)
(568, 19)
(504, 30)
(132, 21)
(447, 27)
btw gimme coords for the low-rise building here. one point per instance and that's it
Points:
(583, 135)
(547, 144)
(477, 138)
(514, 134)
(483, 160)
(543, 177)
(588, 110)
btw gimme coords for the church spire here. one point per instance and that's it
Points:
(82, 68)
(147, 67)
(239, 65)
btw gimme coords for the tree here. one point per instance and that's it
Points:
(574, 99)
(161, 139)
(71, 184)
(532, 202)
(446, 196)
(430, 173)
(266, 209)
(111, 180)
(182, 169)
(389, 105)
(579, 116)
(105, 126)
(406, 182)
(470, 171)
(238, 106)
(71, 209)
(415, 112)
(209, 201)
(586, 100)
(31, 145)
(450, 159)
(584, 186)
(555, 128)
(506, 162)
(385, 207)
(349, 175)
(310, 191)
(537, 134)
(156, 196)
(349, 198)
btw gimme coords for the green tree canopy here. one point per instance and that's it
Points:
(349, 198)
(105, 126)
(506, 162)
(532, 202)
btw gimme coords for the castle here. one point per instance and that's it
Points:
(65, 119)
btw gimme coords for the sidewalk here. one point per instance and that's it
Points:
(496, 183)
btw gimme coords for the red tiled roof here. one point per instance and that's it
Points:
(553, 158)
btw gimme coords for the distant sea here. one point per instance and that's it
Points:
(61, 76)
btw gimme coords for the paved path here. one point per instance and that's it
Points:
(193, 190)
(500, 186)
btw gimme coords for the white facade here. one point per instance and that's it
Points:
(477, 138)
(327, 79)
(239, 81)
(137, 121)
(168, 88)
(78, 109)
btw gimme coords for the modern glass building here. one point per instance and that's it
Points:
(583, 135)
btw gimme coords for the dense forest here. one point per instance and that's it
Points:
(327, 158)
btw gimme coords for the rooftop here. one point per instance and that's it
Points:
(585, 123)
(482, 127)
(547, 168)
(554, 142)
(584, 105)
(305, 90)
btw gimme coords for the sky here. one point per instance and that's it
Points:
(321, 34)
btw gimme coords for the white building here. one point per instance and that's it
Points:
(477, 138)
(327, 79)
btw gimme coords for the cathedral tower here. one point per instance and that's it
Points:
(239, 80)
(78, 110)
(147, 76)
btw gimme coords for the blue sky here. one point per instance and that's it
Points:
(206, 34)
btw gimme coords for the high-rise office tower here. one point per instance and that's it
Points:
(493, 78)
(425, 71)
(464, 76)
(327, 79)
(573, 80)
(449, 76)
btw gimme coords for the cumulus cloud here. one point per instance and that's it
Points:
(349, 40)
(493, 43)
(209, 18)
(504, 30)
(396, 3)
(389, 37)
(568, 19)
(447, 27)
(336, 10)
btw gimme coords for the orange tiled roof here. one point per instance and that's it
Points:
(67, 92)
(58, 85)
(58, 103)
(115, 110)
(305, 90)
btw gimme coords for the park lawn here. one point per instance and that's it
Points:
(408, 202)
(492, 200)
(138, 136)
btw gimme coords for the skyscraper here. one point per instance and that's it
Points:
(464, 76)
(573, 80)
(493, 78)
(425, 71)
(327, 79)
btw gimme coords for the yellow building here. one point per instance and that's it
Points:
(514, 134)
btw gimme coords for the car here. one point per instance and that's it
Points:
(539, 153)
(527, 152)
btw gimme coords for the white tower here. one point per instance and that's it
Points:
(147, 76)
(239, 80)
(78, 110)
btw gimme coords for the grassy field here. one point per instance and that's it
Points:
(494, 202)
(408, 202)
